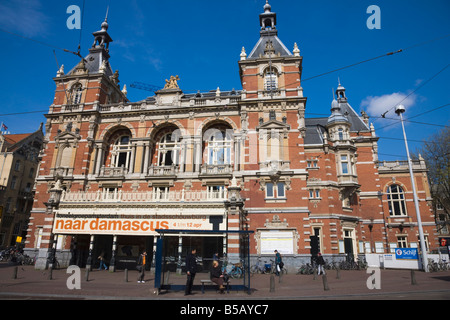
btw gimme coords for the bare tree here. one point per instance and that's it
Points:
(436, 152)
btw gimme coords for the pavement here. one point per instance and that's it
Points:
(34, 284)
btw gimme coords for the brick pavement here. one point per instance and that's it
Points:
(395, 284)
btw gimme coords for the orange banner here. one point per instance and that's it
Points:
(125, 226)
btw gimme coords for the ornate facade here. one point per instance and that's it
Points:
(114, 172)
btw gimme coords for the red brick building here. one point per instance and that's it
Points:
(115, 171)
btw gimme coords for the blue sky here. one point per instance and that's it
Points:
(201, 41)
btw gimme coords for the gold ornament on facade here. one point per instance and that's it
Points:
(172, 83)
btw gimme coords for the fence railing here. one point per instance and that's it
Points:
(149, 196)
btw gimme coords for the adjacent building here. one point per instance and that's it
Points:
(114, 173)
(19, 163)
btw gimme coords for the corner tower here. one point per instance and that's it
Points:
(270, 70)
(70, 133)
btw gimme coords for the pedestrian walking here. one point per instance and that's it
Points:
(320, 264)
(217, 275)
(191, 270)
(278, 263)
(101, 259)
(141, 266)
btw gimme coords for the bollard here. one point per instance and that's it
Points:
(16, 268)
(50, 274)
(167, 277)
(87, 275)
(272, 283)
(280, 277)
(338, 273)
(325, 283)
(413, 278)
(126, 275)
(315, 274)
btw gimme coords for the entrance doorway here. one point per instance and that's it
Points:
(128, 249)
(348, 245)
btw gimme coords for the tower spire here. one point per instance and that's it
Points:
(268, 19)
(107, 10)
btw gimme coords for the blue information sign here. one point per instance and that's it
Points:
(406, 254)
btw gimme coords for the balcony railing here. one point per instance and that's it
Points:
(163, 170)
(112, 172)
(347, 180)
(217, 169)
(64, 172)
(274, 165)
(401, 165)
(149, 196)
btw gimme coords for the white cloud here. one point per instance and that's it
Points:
(23, 16)
(375, 106)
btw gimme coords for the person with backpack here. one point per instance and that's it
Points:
(278, 263)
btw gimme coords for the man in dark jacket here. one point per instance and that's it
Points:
(191, 269)
(142, 261)
(320, 264)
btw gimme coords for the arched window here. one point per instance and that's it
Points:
(271, 80)
(396, 200)
(121, 152)
(219, 148)
(77, 92)
(168, 150)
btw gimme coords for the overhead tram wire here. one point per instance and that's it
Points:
(396, 121)
(41, 42)
(372, 59)
(391, 53)
(310, 78)
(415, 90)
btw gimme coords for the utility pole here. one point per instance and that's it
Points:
(399, 110)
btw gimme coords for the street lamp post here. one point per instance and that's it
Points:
(399, 110)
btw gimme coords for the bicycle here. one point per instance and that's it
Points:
(331, 265)
(258, 267)
(306, 269)
(235, 271)
(432, 266)
(22, 259)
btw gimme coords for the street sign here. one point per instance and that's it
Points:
(406, 254)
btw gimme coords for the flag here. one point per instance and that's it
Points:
(4, 127)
